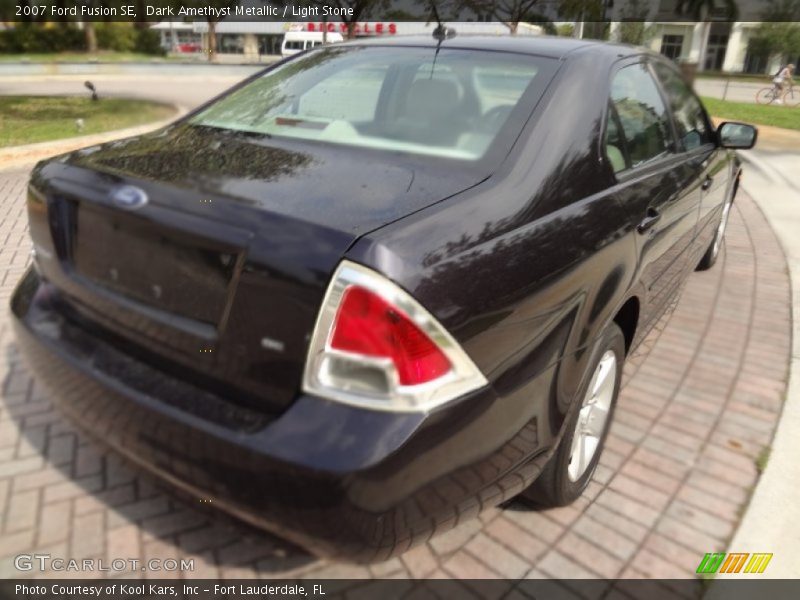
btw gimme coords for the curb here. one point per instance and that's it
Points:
(17, 156)
(770, 521)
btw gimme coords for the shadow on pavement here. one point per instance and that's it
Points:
(93, 495)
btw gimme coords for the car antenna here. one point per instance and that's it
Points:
(441, 33)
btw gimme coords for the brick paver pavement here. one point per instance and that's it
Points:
(693, 418)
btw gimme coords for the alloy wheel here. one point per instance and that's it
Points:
(593, 416)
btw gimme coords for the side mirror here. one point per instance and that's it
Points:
(736, 135)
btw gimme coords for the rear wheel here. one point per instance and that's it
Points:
(765, 95)
(791, 97)
(710, 257)
(571, 468)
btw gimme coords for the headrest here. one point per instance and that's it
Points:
(432, 98)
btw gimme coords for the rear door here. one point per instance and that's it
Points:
(641, 149)
(705, 165)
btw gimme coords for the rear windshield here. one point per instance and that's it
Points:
(451, 104)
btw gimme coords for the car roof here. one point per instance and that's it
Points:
(541, 45)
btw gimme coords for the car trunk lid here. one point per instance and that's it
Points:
(219, 276)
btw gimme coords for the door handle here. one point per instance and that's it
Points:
(651, 219)
(706, 183)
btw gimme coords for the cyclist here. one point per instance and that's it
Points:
(782, 81)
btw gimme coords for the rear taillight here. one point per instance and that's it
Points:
(366, 324)
(375, 346)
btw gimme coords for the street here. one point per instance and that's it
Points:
(730, 89)
(189, 85)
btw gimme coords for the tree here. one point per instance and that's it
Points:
(89, 32)
(544, 22)
(632, 29)
(776, 39)
(565, 30)
(211, 20)
(141, 12)
(779, 33)
(591, 12)
(8, 11)
(91, 36)
(509, 12)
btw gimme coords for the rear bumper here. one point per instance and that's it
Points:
(339, 480)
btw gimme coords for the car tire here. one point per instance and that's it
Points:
(570, 469)
(712, 253)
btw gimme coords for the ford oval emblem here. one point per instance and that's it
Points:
(129, 197)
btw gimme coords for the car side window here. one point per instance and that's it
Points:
(690, 118)
(615, 145)
(642, 114)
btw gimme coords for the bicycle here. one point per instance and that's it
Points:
(768, 95)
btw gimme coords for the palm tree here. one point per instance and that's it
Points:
(89, 33)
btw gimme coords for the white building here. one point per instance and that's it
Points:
(176, 34)
(714, 44)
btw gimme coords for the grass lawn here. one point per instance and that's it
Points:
(30, 119)
(776, 116)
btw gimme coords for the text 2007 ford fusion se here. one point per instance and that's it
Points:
(380, 286)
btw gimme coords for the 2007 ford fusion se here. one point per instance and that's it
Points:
(380, 286)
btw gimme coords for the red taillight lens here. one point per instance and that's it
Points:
(368, 325)
(374, 346)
